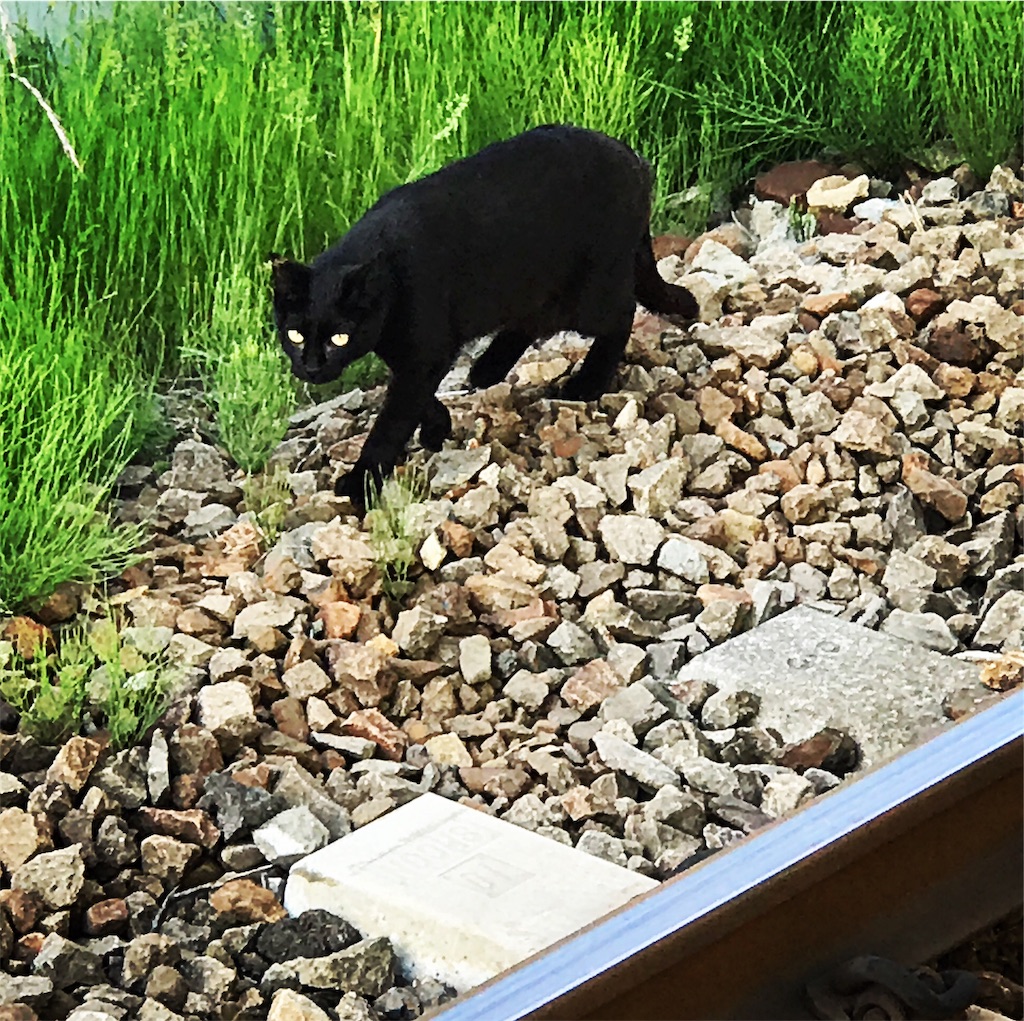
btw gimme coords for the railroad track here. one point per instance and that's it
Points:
(903, 863)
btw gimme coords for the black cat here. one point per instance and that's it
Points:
(544, 232)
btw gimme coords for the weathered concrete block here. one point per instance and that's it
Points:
(462, 895)
(813, 670)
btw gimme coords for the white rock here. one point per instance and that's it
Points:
(475, 659)
(630, 539)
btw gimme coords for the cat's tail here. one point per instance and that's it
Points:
(656, 293)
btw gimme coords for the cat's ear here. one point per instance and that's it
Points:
(290, 280)
(363, 285)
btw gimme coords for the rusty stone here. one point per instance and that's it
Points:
(106, 917)
(247, 902)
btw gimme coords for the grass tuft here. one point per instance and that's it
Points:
(394, 536)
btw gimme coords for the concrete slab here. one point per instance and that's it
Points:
(813, 670)
(461, 895)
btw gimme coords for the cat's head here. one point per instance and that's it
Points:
(327, 316)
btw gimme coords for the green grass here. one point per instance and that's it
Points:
(92, 673)
(393, 535)
(246, 371)
(207, 135)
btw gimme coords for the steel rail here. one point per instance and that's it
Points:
(904, 862)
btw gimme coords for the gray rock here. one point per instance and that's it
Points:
(636, 705)
(572, 644)
(417, 631)
(56, 877)
(943, 191)
(704, 774)
(729, 709)
(527, 689)
(295, 787)
(367, 968)
(12, 790)
(66, 963)
(124, 777)
(227, 711)
(32, 990)
(657, 489)
(927, 629)
(211, 519)
(1003, 622)
(987, 205)
(453, 468)
(643, 768)
(291, 835)
(603, 845)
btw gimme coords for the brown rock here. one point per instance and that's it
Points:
(709, 594)
(791, 180)
(62, 604)
(340, 619)
(590, 685)
(259, 775)
(744, 442)
(786, 471)
(923, 304)
(300, 650)
(24, 909)
(196, 622)
(830, 749)
(944, 495)
(247, 902)
(715, 407)
(290, 718)
(362, 669)
(1004, 673)
(376, 727)
(821, 305)
(192, 825)
(949, 344)
(669, 244)
(17, 1012)
(166, 858)
(955, 380)
(29, 946)
(831, 222)
(456, 537)
(28, 637)
(306, 678)
(75, 762)
(194, 749)
(106, 917)
(186, 790)
(497, 781)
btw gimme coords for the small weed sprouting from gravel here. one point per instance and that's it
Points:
(248, 380)
(393, 534)
(801, 225)
(267, 499)
(93, 673)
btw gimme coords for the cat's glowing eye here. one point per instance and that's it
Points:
(295, 337)
(339, 339)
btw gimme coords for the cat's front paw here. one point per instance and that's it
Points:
(436, 427)
(353, 485)
(579, 388)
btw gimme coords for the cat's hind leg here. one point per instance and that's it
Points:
(497, 360)
(610, 330)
